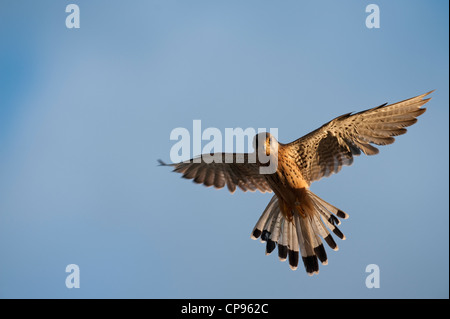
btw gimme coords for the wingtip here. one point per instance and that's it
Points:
(426, 95)
(162, 163)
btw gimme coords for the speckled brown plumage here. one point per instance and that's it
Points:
(296, 220)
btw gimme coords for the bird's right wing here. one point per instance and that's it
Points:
(232, 169)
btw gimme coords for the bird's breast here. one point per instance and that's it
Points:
(287, 181)
(288, 172)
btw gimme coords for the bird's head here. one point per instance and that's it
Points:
(265, 144)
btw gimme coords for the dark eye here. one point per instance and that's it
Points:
(268, 138)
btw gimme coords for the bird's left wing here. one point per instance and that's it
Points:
(232, 169)
(325, 150)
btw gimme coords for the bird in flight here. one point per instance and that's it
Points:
(297, 220)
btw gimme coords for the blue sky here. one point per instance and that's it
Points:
(85, 113)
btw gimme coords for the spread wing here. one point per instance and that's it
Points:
(231, 169)
(325, 150)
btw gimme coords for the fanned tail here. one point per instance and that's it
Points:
(303, 233)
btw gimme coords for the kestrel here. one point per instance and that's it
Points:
(296, 220)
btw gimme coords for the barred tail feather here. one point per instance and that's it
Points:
(301, 235)
(259, 227)
(293, 247)
(306, 240)
(283, 242)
